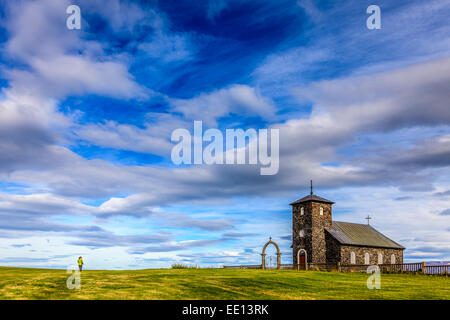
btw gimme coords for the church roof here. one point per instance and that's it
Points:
(360, 235)
(312, 197)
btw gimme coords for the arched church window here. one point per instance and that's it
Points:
(380, 258)
(366, 258)
(392, 258)
(302, 233)
(302, 211)
(352, 258)
(321, 211)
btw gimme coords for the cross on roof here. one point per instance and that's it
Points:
(368, 218)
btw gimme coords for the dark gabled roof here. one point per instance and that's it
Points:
(360, 235)
(312, 197)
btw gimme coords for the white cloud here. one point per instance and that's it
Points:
(238, 99)
(124, 137)
(41, 204)
(77, 75)
(153, 139)
(56, 62)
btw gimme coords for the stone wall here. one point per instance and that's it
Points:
(373, 254)
(333, 253)
(319, 224)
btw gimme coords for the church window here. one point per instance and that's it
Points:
(302, 211)
(366, 258)
(321, 211)
(352, 258)
(380, 258)
(392, 258)
(302, 233)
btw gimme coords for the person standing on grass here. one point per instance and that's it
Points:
(80, 263)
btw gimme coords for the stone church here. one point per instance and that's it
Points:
(318, 239)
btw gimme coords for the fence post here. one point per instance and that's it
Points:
(423, 268)
(339, 266)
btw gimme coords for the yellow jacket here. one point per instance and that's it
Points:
(80, 261)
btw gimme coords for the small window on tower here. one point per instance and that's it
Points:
(302, 233)
(302, 211)
(321, 211)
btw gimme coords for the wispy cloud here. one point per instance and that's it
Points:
(238, 99)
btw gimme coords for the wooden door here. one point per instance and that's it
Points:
(302, 261)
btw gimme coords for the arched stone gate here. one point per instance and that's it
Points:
(263, 254)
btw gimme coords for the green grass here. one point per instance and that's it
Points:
(23, 283)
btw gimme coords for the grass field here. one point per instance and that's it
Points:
(22, 283)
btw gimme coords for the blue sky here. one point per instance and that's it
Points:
(86, 118)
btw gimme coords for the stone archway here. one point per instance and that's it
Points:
(305, 263)
(263, 254)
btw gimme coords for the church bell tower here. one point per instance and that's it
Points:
(311, 215)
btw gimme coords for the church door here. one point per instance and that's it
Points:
(301, 262)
